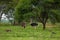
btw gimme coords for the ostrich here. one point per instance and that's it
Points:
(23, 24)
(34, 24)
(8, 30)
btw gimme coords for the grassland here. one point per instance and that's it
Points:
(29, 33)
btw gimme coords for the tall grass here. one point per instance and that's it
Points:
(29, 33)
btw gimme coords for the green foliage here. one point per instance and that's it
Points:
(9, 4)
(22, 9)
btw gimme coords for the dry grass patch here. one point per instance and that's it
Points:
(50, 25)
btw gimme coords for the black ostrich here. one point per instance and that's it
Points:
(34, 24)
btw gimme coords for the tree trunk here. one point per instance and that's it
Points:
(44, 26)
(15, 23)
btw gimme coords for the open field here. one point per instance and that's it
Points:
(29, 33)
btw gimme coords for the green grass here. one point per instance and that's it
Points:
(29, 33)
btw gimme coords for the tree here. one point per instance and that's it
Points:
(22, 9)
(7, 5)
(45, 10)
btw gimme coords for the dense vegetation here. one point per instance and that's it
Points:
(38, 10)
(41, 10)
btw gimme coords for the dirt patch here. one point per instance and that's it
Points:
(50, 25)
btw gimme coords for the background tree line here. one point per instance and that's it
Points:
(41, 10)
